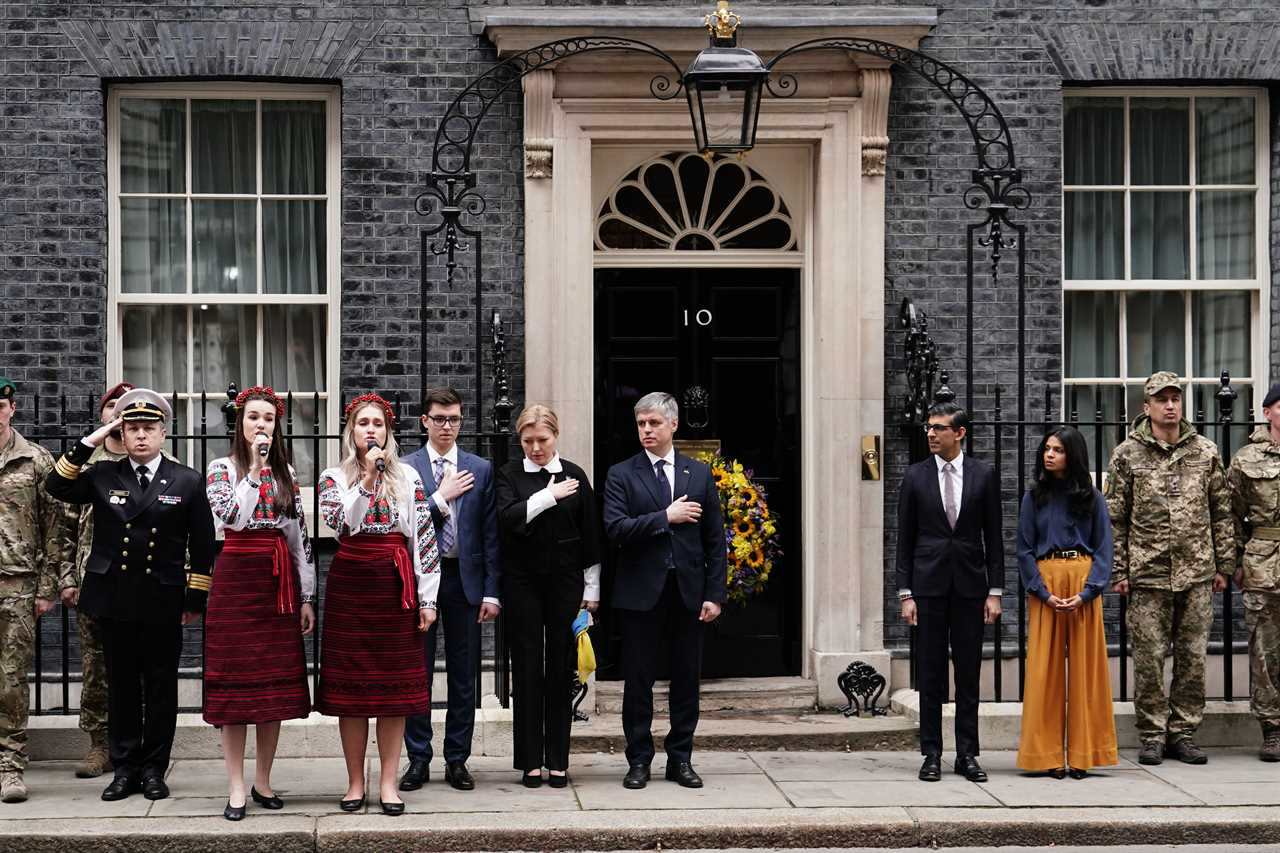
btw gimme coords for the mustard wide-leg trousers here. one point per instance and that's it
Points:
(1066, 704)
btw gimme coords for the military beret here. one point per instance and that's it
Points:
(1159, 381)
(143, 404)
(115, 392)
(7, 388)
(1273, 395)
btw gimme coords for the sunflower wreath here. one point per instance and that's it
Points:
(750, 529)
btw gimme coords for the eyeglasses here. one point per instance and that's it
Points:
(445, 420)
(937, 427)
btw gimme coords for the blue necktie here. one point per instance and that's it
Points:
(664, 487)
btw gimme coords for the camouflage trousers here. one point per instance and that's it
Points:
(93, 679)
(17, 649)
(1262, 615)
(1160, 619)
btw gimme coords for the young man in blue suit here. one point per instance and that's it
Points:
(463, 507)
(662, 514)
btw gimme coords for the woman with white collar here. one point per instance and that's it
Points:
(550, 527)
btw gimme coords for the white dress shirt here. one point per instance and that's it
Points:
(541, 501)
(152, 467)
(446, 508)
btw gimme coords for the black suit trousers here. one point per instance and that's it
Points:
(142, 693)
(643, 635)
(944, 621)
(540, 609)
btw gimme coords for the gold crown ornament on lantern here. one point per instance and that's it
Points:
(723, 22)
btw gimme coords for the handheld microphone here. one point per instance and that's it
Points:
(381, 465)
(263, 447)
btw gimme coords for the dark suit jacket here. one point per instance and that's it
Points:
(138, 560)
(478, 556)
(635, 518)
(933, 559)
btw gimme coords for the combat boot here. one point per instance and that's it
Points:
(1185, 750)
(1151, 753)
(1270, 746)
(12, 788)
(96, 761)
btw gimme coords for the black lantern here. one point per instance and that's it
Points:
(723, 86)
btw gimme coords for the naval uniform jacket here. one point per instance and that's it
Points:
(137, 569)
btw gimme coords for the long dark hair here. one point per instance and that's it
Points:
(277, 455)
(1077, 483)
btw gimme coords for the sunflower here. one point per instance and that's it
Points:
(755, 559)
(750, 496)
(744, 527)
(718, 475)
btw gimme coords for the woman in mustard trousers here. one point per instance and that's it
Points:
(1064, 558)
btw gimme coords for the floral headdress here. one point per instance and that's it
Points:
(265, 391)
(364, 399)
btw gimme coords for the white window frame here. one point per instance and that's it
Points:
(1259, 286)
(331, 298)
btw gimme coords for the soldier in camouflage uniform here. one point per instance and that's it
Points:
(1254, 480)
(1174, 546)
(36, 544)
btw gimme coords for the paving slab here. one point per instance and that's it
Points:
(290, 777)
(615, 765)
(886, 793)
(64, 802)
(1115, 787)
(723, 792)
(838, 766)
(494, 792)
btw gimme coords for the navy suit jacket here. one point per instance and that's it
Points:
(477, 524)
(635, 518)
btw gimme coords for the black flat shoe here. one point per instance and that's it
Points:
(392, 809)
(351, 805)
(931, 769)
(1077, 773)
(555, 781)
(529, 780)
(272, 802)
(682, 774)
(233, 812)
(1058, 773)
(637, 777)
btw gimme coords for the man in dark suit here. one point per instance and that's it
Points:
(464, 510)
(950, 578)
(662, 513)
(149, 514)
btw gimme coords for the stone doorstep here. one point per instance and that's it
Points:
(633, 830)
(725, 696)
(1000, 723)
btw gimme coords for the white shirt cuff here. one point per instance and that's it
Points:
(86, 443)
(591, 583)
(441, 505)
(995, 590)
(904, 593)
(538, 503)
(495, 602)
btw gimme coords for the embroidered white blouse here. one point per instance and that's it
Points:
(352, 509)
(243, 504)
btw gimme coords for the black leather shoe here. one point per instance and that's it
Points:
(1057, 773)
(931, 769)
(120, 788)
(637, 777)
(418, 774)
(154, 788)
(351, 805)
(457, 775)
(529, 780)
(392, 809)
(555, 781)
(968, 767)
(233, 812)
(272, 802)
(1077, 773)
(682, 774)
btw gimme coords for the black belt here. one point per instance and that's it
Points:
(1073, 554)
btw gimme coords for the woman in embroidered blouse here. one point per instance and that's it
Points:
(260, 604)
(381, 588)
(1064, 558)
(551, 568)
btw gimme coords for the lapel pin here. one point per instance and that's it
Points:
(685, 471)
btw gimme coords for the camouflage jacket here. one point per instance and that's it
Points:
(37, 533)
(1254, 480)
(1170, 510)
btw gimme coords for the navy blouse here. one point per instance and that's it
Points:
(1052, 527)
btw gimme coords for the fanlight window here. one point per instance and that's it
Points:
(685, 202)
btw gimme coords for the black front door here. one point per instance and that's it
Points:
(732, 335)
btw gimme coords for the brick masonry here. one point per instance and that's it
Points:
(398, 63)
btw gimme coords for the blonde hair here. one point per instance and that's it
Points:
(392, 484)
(538, 414)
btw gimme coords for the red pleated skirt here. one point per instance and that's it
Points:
(254, 666)
(373, 660)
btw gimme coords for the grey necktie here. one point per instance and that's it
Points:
(949, 494)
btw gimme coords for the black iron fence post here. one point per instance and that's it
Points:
(1226, 397)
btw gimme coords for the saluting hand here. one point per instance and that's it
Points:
(99, 435)
(563, 489)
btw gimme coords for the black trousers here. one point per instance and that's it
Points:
(643, 636)
(142, 694)
(957, 622)
(540, 610)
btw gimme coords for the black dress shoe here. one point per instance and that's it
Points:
(637, 777)
(233, 812)
(272, 802)
(457, 775)
(530, 780)
(418, 774)
(1077, 773)
(154, 788)
(351, 805)
(120, 788)
(931, 769)
(968, 767)
(392, 809)
(1058, 773)
(682, 774)
(561, 781)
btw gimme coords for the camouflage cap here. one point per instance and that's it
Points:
(1159, 381)
(7, 388)
(143, 404)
